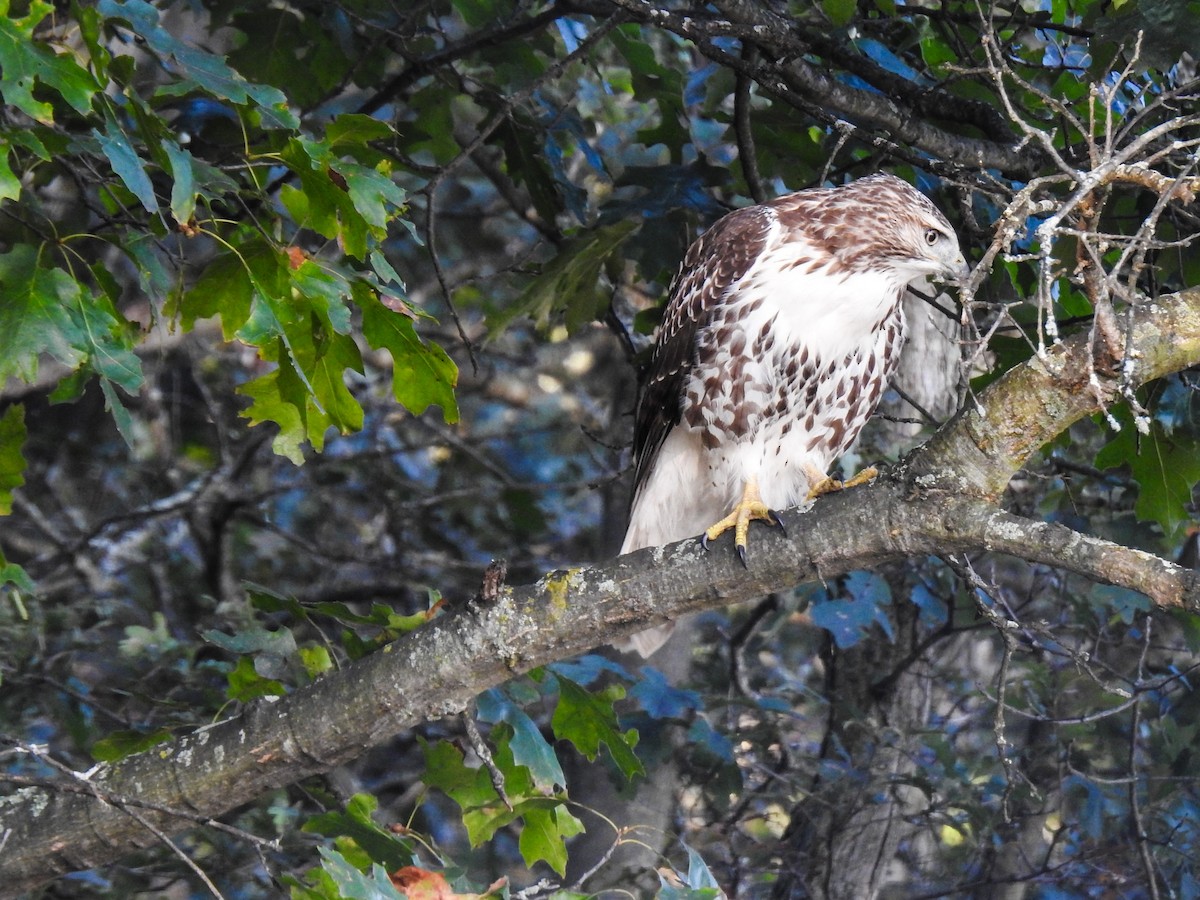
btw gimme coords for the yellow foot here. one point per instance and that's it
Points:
(749, 508)
(829, 485)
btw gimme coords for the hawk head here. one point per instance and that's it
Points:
(883, 222)
(914, 237)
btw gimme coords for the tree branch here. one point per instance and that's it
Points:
(940, 500)
(896, 113)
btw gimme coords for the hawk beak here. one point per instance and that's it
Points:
(957, 269)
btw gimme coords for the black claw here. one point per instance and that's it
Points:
(741, 552)
(778, 520)
(704, 540)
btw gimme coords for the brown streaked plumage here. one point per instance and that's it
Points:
(782, 328)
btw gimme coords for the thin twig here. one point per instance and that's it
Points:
(1135, 808)
(174, 848)
(479, 745)
(747, 155)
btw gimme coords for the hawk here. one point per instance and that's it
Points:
(782, 328)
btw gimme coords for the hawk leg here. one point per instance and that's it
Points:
(826, 485)
(749, 508)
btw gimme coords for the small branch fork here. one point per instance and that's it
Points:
(1151, 145)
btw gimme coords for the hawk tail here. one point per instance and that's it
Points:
(645, 643)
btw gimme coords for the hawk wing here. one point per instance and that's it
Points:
(713, 265)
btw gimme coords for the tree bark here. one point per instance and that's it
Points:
(940, 500)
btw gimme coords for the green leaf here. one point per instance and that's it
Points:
(589, 720)
(327, 290)
(198, 69)
(142, 249)
(130, 168)
(357, 824)
(339, 197)
(570, 283)
(316, 660)
(525, 162)
(376, 198)
(120, 414)
(351, 131)
(142, 641)
(470, 788)
(183, 189)
(10, 184)
(26, 62)
(296, 314)
(34, 317)
(12, 462)
(272, 405)
(423, 375)
(353, 884)
(446, 771)
(544, 835)
(30, 141)
(475, 12)
(245, 684)
(12, 574)
(675, 892)
(937, 52)
(329, 384)
(120, 744)
(529, 748)
(255, 639)
(1165, 465)
(108, 340)
(278, 41)
(46, 311)
(224, 288)
(381, 615)
(305, 406)
(840, 12)
(699, 876)
(483, 810)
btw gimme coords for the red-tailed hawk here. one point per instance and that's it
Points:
(782, 328)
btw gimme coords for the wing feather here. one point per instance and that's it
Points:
(714, 263)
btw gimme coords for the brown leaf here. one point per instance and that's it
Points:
(395, 304)
(337, 178)
(421, 884)
(296, 257)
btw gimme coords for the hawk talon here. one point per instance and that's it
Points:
(749, 508)
(870, 473)
(830, 485)
(777, 519)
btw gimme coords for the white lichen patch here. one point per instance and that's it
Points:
(1009, 532)
(33, 799)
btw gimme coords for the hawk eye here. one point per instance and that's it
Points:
(931, 236)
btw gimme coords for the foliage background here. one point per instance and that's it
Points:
(418, 249)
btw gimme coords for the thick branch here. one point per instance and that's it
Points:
(938, 502)
(1029, 406)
